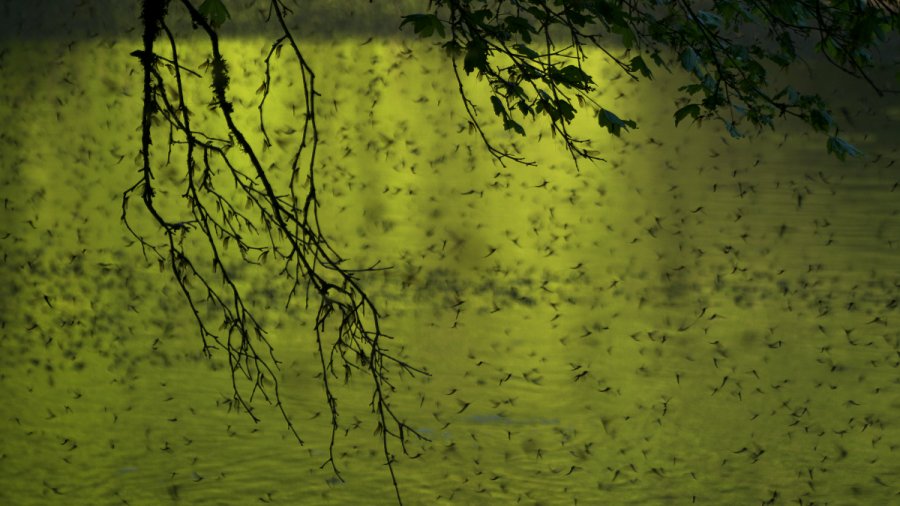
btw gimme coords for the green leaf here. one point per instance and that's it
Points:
(613, 123)
(530, 72)
(424, 25)
(526, 51)
(499, 110)
(452, 48)
(820, 120)
(540, 16)
(481, 16)
(732, 130)
(658, 60)
(787, 53)
(692, 110)
(215, 12)
(476, 56)
(516, 24)
(628, 37)
(509, 124)
(710, 19)
(524, 108)
(513, 90)
(690, 60)
(791, 95)
(637, 64)
(708, 83)
(841, 148)
(574, 77)
(565, 110)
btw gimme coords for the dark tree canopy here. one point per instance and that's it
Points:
(530, 53)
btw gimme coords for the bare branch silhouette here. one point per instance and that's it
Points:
(278, 223)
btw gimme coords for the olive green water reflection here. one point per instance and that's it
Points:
(694, 321)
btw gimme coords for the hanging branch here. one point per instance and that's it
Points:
(347, 327)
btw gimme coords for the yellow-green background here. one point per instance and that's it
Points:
(106, 398)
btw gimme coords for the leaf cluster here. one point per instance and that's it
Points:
(531, 53)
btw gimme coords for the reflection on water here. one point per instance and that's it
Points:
(697, 320)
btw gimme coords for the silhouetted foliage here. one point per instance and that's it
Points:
(531, 55)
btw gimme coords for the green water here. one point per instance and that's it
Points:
(695, 321)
